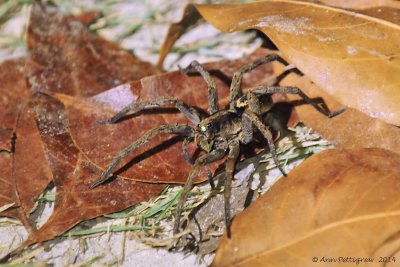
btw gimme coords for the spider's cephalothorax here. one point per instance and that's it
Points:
(218, 134)
(215, 131)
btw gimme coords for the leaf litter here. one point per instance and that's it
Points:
(351, 129)
(23, 175)
(167, 203)
(53, 126)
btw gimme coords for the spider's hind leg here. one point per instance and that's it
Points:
(212, 87)
(267, 135)
(235, 90)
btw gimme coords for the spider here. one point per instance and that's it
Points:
(218, 134)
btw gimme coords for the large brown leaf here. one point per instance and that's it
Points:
(384, 9)
(67, 58)
(153, 163)
(14, 93)
(351, 56)
(175, 30)
(75, 143)
(73, 174)
(351, 129)
(23, 176)
(339, 203)
(361, 4)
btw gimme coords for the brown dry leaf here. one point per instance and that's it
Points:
(382, 9)
(353, 57)
(73, 174)
(361, 4)
(67, 58)
(339, 203)
(14, 93)
(351, 129)
(152, 163)
(385, 13)
(175, 30)
(72, 138)
(23, 175)
(7, 188)
(31, 175)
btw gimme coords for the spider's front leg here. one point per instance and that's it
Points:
(167, 128)
(134, 107)
(213, 156)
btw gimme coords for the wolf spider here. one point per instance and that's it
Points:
(218, 134)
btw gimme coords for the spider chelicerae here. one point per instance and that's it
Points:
(219, 133)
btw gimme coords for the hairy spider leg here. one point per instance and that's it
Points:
(235, 88)
(189, 112)
(189, 160)
(185, 150)
(211, 86)
(144, 139)
(263, 89)
(247, 129)
(233, 155)
(210, 176)
(212, 99)
(267, 135)
(203, 160)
